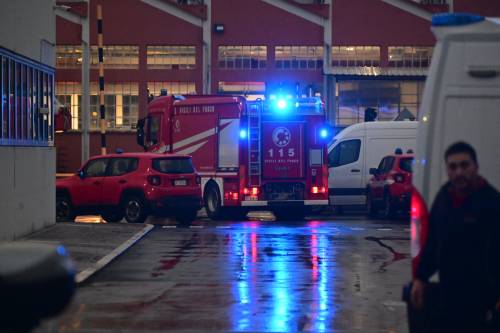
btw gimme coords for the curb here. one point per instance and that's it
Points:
(85, 274)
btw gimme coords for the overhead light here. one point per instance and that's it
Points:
(218, 28)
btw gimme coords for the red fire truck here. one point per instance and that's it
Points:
(260, 155)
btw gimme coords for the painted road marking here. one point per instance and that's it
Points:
(169, 227)
(196, 226)
(357, 228)
(223, 227)
(85, 274)
(384, 229)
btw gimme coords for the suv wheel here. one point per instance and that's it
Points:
(64, 209)
(112, 216)
(212, 202)
(134, 209)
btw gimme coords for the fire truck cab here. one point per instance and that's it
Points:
(261, 155)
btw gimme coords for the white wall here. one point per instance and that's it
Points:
(27, 190)
(28, 27)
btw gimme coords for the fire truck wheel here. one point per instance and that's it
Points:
(212, 201)
(64, 209)
(134, 209)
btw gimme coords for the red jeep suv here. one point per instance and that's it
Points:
(390, 187)
(131, 185)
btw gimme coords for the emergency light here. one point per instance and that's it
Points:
(243, 134)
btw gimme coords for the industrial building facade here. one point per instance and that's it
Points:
(355, 54)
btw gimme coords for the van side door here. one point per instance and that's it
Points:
(345, 165)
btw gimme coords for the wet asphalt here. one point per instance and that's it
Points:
(344, 275)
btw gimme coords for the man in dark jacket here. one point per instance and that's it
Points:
(463, 245)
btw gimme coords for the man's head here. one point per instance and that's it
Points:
(461, 165)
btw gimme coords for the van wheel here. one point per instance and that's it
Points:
(389, 209)
(212, 202)
(134, 209)
(112, 215)
(370, 206)
(64, 209)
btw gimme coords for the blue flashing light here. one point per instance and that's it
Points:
(455, 19)
(323, 133)
(282, 104)
(243, 134)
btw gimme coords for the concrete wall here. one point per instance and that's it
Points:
(27, 27)
(27, 190)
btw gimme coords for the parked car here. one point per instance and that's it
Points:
(131, 186)
(390, 187)
(358, 148)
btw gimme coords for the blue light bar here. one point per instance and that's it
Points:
(281, 104)
(455, 19)
(243, 134)
(323, 133)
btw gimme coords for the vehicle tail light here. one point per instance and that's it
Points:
(419, 226)
(251, 191)
(154, 180)
(316, 190)
(399, 178)
(198, 180)
(231, 195)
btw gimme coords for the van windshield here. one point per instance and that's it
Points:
(405, 164)
(173, 165)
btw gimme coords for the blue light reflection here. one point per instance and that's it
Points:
(283, 279)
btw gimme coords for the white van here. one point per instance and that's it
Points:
(358, 148)
(461, 102)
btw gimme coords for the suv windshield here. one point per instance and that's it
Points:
(173, 165)
(405, 164)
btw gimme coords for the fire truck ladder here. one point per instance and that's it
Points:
(254, 145)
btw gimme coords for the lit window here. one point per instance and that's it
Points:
(116, 56)
(242, 57)
(172, 88)
(171, 57)
(409, 56)
(121, 102)
(299, 57)
(68, 56)
(355, 56)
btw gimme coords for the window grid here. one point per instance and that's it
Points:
(25, 88)
(410, 56)
(389, 98)
(173, 88)
(171, 57)
(121, 101)
(115, 57)
(355, 56)
(299, 57)
(242, 57)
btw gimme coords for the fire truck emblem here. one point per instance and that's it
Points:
(281, 136)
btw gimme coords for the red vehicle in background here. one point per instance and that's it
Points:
(131, 186)
(390, 188)
(250, 155)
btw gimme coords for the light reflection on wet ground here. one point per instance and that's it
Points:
(251, 276)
